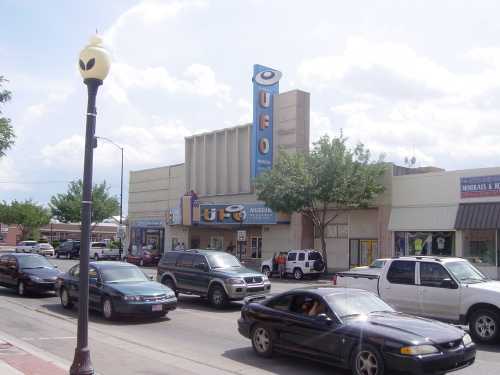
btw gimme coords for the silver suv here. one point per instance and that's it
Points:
(298, 264)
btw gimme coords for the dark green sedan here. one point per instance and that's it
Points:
(117, 288)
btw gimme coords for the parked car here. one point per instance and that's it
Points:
(27, 273)
(213, 274)
(26, 247)
(44, 248)
(299, 263)
(449, 289)
(353, 329)
(144, 258)
(100, 250)
(69, 249)
(117, 288)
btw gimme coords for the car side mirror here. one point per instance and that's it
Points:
(325, 319)
(449, 284)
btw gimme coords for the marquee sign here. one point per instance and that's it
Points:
(480, 186)
(255, 213)
(265, 87)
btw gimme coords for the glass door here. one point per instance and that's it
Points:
(256, 246)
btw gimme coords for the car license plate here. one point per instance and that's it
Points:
(157, 307)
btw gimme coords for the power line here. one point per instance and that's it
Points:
(35, 182)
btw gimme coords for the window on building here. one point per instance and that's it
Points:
(401, 272)
(479, 247)
(424, 243)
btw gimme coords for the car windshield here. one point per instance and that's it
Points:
(314, 255)
(123, 275)
(356, 303)
(33, 261)
(223, 261)
(377, 264)
(465, 272)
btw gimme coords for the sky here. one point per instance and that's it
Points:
(406, 78)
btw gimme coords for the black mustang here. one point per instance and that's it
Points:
(117, 288)
(353, 329)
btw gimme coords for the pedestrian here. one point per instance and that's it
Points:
(183, 247)
(275, 263)
(281, 265)
(178, 246)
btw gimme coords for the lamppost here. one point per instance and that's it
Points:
(94, 66)
(121, 188)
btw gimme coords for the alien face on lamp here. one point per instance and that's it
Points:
(94, 60)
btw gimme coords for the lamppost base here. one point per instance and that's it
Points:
(82, 365)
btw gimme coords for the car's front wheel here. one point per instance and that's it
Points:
(217, 297)
(366, 360)
(65, 299)
(298, 274)
(107, 309)
(262, 341)
(484, 326)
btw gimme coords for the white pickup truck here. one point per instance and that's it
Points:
(100, 250)
(448, 289)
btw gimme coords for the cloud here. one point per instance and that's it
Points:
(10, 178)
(67, 153)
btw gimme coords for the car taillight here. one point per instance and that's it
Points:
(334, 280)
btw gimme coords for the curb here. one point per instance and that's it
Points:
(37, 352)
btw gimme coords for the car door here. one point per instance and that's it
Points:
(4, 266)
(399, 289)
(72, 281)
(311, 335)
(95, 287)
(439, 294)
(183, 272)
(199, 274)
(291, 261)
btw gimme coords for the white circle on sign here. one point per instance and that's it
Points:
(235, 208)
(267, 77)
(264, 146)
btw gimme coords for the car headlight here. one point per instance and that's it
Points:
(419, 350)
(132, 298)
(235, 280)
(36, 279)
(467, 340)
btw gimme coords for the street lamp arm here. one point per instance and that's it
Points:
(110, 141)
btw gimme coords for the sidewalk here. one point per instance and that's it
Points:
(19, 358)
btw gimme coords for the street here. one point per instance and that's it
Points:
(194, 339)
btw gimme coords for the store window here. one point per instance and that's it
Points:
(424, 243)
(479, 247)
(150, 239)
(256, 246)
(217, 242)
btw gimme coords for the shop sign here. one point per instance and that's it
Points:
(265, 87)
(480, 186)
(254, 213)
(148, 223)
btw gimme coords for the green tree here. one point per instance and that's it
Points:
(6, 131)
(28, 215)
(330, 180)
(67, 207)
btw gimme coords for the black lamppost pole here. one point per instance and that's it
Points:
(121, 187)
(94, 67)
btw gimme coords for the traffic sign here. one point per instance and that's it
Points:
(242, 235)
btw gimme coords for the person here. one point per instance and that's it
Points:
(311, 308)
(275, 263)
(178, 246)
(183, 247)
(281, 265)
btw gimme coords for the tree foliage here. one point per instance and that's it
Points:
(28, 215)
(322, 184)
(67, 207)
(6, 131)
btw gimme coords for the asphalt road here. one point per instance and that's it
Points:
(194, 339)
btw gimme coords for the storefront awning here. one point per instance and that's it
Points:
(478, 216)
(439, 218)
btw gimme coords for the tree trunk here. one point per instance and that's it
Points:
(323, 247)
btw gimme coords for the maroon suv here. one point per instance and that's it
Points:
(144, 258)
